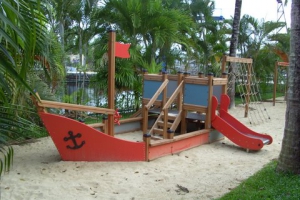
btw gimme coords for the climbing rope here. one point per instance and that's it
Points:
(247, 86)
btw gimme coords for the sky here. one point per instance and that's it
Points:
(259, 9)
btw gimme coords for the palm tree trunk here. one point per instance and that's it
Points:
(232, 50)
(289, 158)
(62, 34)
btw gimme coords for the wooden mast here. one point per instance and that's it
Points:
(111, 79)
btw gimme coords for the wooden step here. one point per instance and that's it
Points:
(170, 116)
(161, 124)
(155, 137)
(158, 131)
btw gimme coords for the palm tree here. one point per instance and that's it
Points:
(289, 158)
(259, 40)
(148, 24)
(232, 50)
(151, 29)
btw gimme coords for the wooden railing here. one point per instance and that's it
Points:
(157, 93)
(68, 106)
(151, 102)
(173, 96)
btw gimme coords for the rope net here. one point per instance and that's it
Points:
(243, 78)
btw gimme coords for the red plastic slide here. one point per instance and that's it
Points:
(235, 130)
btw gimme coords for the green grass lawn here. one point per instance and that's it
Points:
(267, 184)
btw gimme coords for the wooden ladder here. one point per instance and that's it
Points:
(165, 125)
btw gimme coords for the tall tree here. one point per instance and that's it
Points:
(289, 158)
(233, 48)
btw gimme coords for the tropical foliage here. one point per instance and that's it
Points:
(26, 46)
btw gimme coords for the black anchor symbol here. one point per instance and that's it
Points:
(73, 138)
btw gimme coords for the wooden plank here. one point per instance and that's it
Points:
(176, 121)
(161, 124)
(196, 80)
(219, 81)
(156, 103)
(172, 77)
(239, 60)
(96, 125)
(153, 77)
(177, 146)
(196, 108)
(179, 137)
(128, 120)
(68, 106)
(158, 131)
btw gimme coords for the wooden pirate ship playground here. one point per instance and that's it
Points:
(178, 112)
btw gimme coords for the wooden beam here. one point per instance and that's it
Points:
(210, 93)
(153, 77)
(111, 79)
(68, 106)
(196, 80)
(241, 60)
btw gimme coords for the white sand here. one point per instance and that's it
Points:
(204, 172)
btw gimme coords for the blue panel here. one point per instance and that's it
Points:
(196, 94)
(172, 85)
(150, 87)
(217, 91)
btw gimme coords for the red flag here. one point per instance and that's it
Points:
(122, 50)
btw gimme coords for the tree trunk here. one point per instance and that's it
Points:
(232, 50)
(289, 158)
(62, 34)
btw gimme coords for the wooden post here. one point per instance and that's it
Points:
(183, 122)
(170, 134)
(105, 122)
(164, 93)
(224, 63)
(144, 110)
(146, 139)
(180, 94)
(184, 111)
(186, 74)
(210, 93)
(111, 79)
(224, 87)
(164, 100)
(200, 75)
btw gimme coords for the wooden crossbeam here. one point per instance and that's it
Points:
(68, 106)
